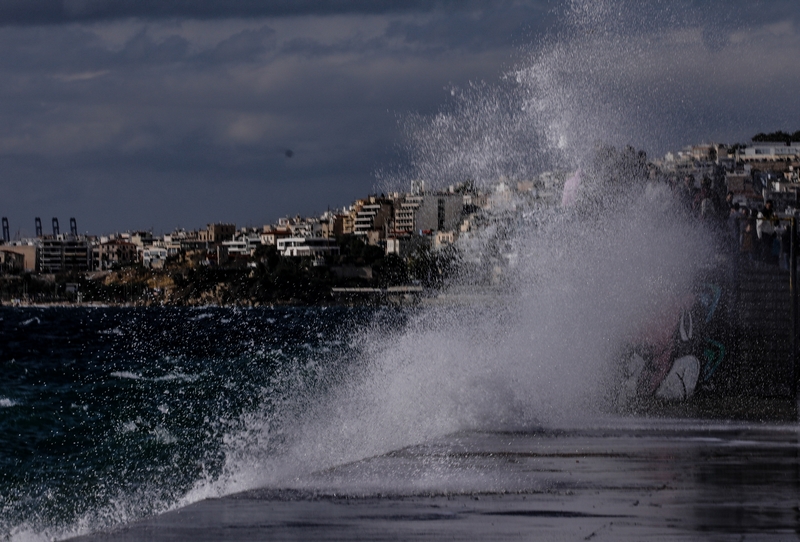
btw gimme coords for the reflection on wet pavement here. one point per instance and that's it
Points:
(654, 480)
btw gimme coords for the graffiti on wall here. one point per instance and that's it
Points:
(680, 350)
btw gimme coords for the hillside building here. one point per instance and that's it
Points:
(29, 253)
(372, 215)
(215, 234)
(771, 151)
(113, 253)
(64, 253)
(11, 262)
(438, 212)
(307, 247)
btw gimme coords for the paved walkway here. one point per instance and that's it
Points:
(633, 480)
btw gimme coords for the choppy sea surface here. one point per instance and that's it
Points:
(110, 414)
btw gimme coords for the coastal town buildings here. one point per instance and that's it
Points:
(154, 257)
(11, 262)
(27, 249)
(216, 233)
(405, 211)
(64, 253)
(113, 254)
(243, 244)
(343, 224)
(307, 247)
(771, 151)
(372, 218)
(402, 224)
(270, 235)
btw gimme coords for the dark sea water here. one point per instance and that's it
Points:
(111, 414)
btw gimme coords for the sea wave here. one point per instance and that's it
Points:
(165, 378)
(176, 376)
(126, 374)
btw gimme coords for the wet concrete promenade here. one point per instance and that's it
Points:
(628, 480)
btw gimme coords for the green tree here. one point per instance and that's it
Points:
(391, 270)
(780, 135)
(433, 267)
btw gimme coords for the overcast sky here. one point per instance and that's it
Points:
(140, 114)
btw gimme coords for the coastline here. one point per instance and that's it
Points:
(409, 295)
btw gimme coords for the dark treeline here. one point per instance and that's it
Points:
(784, 137)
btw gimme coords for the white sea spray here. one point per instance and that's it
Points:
(533, 341)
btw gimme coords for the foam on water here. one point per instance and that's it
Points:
(126, 374)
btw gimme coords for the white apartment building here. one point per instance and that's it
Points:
(771, 151)
(365, 218)
(404, 213)
(243, 245)
(154, 257)
(307, 246)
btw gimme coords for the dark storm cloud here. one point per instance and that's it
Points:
(60, 11)
(513, 25)
(716, 18)
(139, 123)
(140, 114)
(245, 46)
